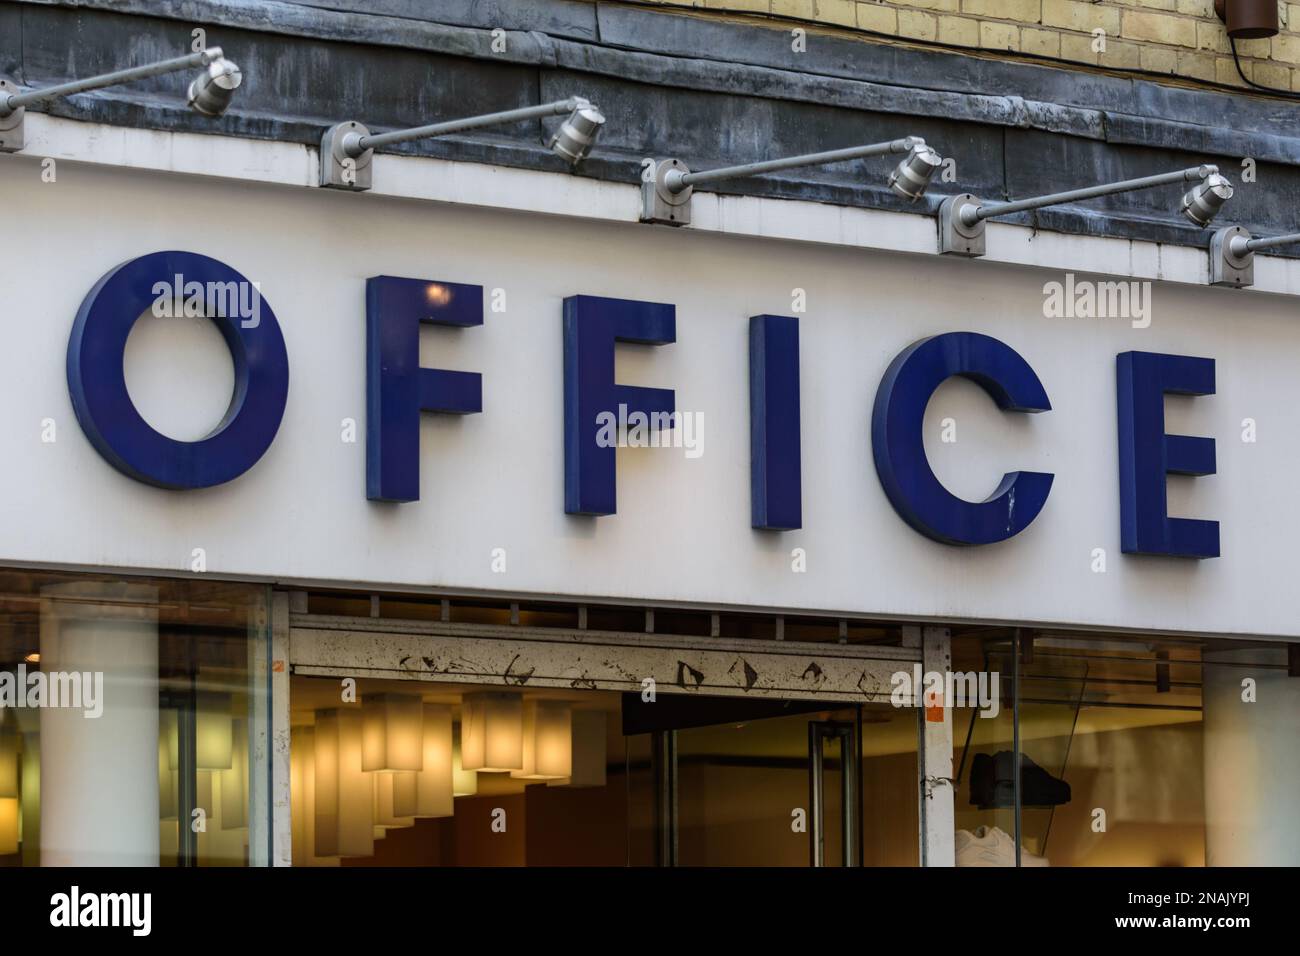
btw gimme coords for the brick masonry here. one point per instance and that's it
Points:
(1181, 38)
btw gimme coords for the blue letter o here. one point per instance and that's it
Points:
(97, 379)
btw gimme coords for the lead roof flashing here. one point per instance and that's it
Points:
(672, 75)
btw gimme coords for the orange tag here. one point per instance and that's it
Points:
(933, 707)
(277, 667)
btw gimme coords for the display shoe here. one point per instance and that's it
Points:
(992, 784)
(991, 846)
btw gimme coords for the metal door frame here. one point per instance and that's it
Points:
(819, 731)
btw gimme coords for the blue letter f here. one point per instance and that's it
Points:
(397, 389)
(592, 325)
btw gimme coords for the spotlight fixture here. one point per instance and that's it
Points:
(1203, 201)
(911, 176)
(213, 89)
(1232, 254)
(962, 217)
(577, 134)
(666, 198)
(346, 149)
(209, 94)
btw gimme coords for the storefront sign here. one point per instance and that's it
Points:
(398, 389)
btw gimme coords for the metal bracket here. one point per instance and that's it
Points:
(12, 138)
(1226, 268)
(660, 205)
(338, 170)
(955, 237)
(932, 783)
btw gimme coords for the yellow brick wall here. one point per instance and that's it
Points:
(1182, 38)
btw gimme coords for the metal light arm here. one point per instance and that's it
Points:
(677, 181)
(1242, 245)
(355, 144)
(666, 195)
(1232, 255)
(962, 217)
(15, 101)
(972, 213)
(347, 149)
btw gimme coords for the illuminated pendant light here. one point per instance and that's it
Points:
(169, 726)
(385, 814)
(213, 731)
(234, 782)
(548, 741)
(8, 758)
(391, 736)
(344, 794)
(589, 743)
(167, 795)
(325, 747)
(8, 826)
(30, 807)
(434, 786)
(204, 800)
(302, 795)
(301, 741)
(406, 794)
(492, 738)
(464, 783)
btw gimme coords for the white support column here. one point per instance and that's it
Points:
(281, 811)
(938, 821)
(99, 775)
(1252, 760)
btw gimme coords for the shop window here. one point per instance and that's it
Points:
(338, 603)
(818, 630)
(480, 612)
(548, 615)
(684, 623)
(410, 608)
(601, 617)
(748, 626)
(142, 718)
(1134, 751)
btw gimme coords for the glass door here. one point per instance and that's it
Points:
(757, 783)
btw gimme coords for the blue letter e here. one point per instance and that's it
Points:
(397, 389)
(1147, 454)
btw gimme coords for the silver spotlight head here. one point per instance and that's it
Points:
(1204, 200)
(577, 134)
(212, 90)
(910, 177)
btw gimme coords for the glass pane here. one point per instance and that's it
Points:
(1120, 722)
(1135, 751)
(741, 786)
(744, 790)
(890, 812)
(983, 753)
(133, 729)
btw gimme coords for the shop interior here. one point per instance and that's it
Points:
(1113, 738)
(542, 777)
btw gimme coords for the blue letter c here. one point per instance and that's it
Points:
(912, 488)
